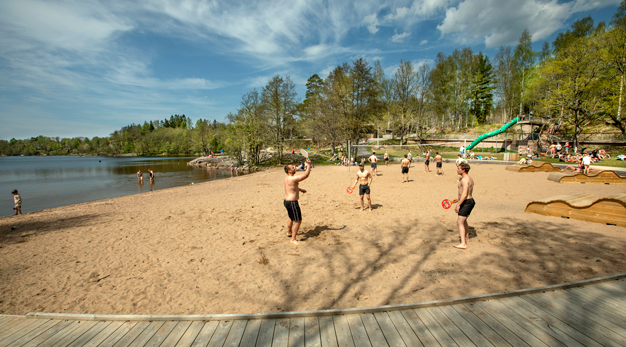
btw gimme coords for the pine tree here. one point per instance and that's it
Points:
(482, 97)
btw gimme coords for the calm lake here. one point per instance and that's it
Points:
(46, 182)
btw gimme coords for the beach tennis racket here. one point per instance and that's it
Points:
(447, 203)
(304, 153)
(349, 190)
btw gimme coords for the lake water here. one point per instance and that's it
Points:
(46, 182)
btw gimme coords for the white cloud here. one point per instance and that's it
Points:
(400, 37)
(372, 23)
(499, 24)
(423, 42)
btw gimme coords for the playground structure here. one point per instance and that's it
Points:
(532, 138)
(601, 177)
(492, 133)
(587, 207)
(536, 166)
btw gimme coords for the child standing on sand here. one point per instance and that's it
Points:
(18, 202)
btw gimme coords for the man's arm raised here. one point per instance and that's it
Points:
(306, 172)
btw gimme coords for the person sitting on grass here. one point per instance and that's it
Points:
(578, 168)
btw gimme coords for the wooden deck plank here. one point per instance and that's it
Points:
(131, 335)
(190, 334)
(618, 325)
(251, 333)
(312, 337)
(466, 327)
(142, 338)
(205, 334)
(448, 325)
(126, 328)
(49, 335)
(89, 334)
(176, 334)
(614, 288)
(236, 333)
(604, 300)
(433, 326)
(581, 324)
(327, 331)
(31, 335)
(342, 329)
(161, 334)
(220, 334)
(375, 334)
(70, 336)
(595, 303)
(359, 334)
(535, 325)
(104, 334)
(296, 332)
(404, 329)
(266, 333)
(389, 330)
(25, 330)
(24, 324)
(9, 321)
(561, 322)
(507, 328)
(488, 332)
(281, 333)
(425, 336)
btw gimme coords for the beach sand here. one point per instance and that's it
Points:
(221, 246)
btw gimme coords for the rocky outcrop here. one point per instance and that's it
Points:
(221, 162)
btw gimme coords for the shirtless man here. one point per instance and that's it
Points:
(140, 176)
(427, 162)
(364, 178)
(439, 163)
(292, 194)
(373, 163)
(386, 158)
(405, 165)
(151, 175)
(465, 204)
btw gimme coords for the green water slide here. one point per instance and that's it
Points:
(491, 133)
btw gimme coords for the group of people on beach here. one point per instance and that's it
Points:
(464, 207)
(140, 176)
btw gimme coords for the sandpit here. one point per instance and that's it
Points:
(221, 246)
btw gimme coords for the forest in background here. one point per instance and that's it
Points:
(577, 82)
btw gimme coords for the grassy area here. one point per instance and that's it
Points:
(605, 162)
(446, 152)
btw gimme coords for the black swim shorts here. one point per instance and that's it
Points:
(364, 189)
(427, 162)
(386, 159)
(373, 165)
(439, 164)
(293, 209)
(405, 169)
(466, 207)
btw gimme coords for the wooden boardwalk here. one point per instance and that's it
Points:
(586, 313)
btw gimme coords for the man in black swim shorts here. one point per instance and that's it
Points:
(292, 194)
(365, 179)
(427, 162)
(465, 204)
(405, 165)
(438, 161)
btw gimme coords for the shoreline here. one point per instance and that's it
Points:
(222, 248)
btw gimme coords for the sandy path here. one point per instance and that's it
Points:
(200, 249)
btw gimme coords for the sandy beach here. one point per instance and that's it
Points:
(222, 246)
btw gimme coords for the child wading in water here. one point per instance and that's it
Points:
(18, 202)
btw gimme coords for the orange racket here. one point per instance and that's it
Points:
(349, 190)
(447, 203)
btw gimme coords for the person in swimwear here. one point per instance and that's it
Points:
(465, 204)
(373, 159)
(151, 175)
(427, 162)
(439, 163)
(365, 179)
(292, 194)
(386, 158)
(140, 176)
(405, 164)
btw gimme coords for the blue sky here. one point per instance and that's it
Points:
(89, 67)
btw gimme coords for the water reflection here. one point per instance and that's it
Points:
(46, 182)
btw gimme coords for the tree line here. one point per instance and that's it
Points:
(576, 82)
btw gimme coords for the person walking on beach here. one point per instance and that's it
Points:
(410, 156)
(427, 162)
(151, 175)
(140, 176)
(364, 178)
(586, 161)
(386, 158)
(17, 199)
(373, 159)
(405, 164)
(438, 161)
(292, 194)
(465, 204)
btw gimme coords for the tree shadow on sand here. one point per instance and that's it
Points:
(27, 227)
(315, 232)
(529, 255)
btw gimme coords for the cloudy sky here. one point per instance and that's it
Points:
(88, 67)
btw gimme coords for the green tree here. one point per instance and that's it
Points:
(525, 58)
(279, 101)
(482, 98)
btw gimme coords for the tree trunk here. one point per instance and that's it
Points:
(521, 101)
(619, 104)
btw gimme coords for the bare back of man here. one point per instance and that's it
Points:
(405, 164)
(292, 195)
(439, 163)
(373, 159)
(427, 162)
